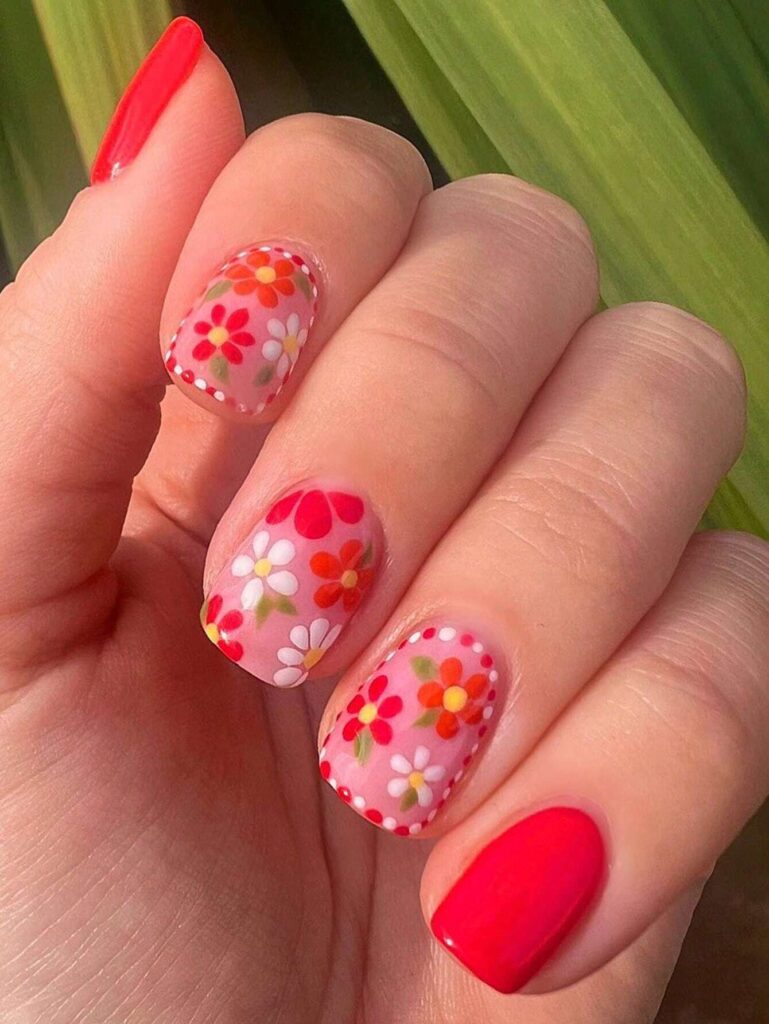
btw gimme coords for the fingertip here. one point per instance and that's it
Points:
(160, 75)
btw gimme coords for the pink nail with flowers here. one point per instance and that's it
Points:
(410, 732)
(243, 336)
(284, 597)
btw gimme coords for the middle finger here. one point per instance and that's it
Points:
(405, 410)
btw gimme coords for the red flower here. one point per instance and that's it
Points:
(218, 629)
(314, 511)
(369, 714)
(349, 577)
(258, 274)
(223, 337)
(455, 699)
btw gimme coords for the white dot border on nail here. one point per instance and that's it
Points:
(190, 377)
(357, 801)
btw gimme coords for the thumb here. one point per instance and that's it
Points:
(78, 349)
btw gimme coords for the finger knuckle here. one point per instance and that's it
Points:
(577, 509)
(741, 562)
(705, 657)
(679, 363)
(704, 721)
(679, 339)
(510, 206)
(378, 156)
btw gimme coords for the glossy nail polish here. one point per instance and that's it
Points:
(285, 596)
(164, 70)
(409, 733)
(243, 336)
(522, 895)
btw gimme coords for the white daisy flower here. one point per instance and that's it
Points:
(285, 343)
(310, 645)
(411, 784)
(261, 566)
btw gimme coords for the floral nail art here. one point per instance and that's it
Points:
(409, 733)
(268, 583)
(412, 784)
(309, 646)
(266, 613)
(368, 724)
(218, 627)
(349, 574)
(242, 338)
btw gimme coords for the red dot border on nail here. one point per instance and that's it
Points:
(188, 376)
(357, 801)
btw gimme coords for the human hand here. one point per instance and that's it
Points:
(516, 475)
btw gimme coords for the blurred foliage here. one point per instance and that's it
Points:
(40, 167)
(651, 118)
(64, 65)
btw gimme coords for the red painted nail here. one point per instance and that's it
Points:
(521, 896)
(167, 65)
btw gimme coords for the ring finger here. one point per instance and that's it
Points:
(569, 544)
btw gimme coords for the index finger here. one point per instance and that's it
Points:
(264, 267)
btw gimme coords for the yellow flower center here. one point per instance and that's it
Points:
(263, 567)
(218, 335)
(265, 275)
(367, 714)
(454, 698)
(212, 632)
(349, 579)
(416, 780)
(312, 657)
(290, 344)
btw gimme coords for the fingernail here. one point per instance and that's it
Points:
(168, 64)
(409, 733)
(521, 896)
(286, 595)
(242, 338)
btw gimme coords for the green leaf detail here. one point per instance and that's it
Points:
(302, 282)
(285, 605)
(220, 368)
(430, 717)
(363, 745)
(265, 375)
(217, 290)
(409, 799)
(367, 554)
(425, 669)
(263, 610)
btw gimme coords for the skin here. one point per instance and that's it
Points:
(169, 852)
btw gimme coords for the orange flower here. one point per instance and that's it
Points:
(258, 274)
(452, 700)
(347, 575)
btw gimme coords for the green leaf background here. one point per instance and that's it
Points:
(651, 118)
(63, 68)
